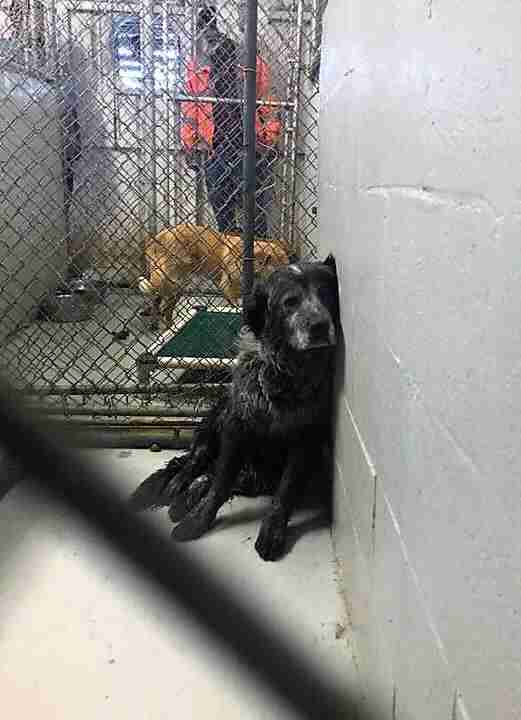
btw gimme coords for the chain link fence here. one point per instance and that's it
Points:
(121, 147)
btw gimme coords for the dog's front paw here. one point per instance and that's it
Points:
(271, 541)
(198, 520)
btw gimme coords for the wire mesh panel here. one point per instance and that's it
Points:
(121, 147)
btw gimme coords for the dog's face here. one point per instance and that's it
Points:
(296, 307)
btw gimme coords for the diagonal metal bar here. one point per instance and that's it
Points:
(72, 483)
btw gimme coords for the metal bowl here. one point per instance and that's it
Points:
(70, 307)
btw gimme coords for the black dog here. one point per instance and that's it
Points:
(268, 435)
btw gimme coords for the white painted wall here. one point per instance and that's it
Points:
(421, 202)
(32, 252)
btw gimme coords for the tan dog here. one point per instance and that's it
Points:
(174, 255)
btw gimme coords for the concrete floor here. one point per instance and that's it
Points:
(81, 636)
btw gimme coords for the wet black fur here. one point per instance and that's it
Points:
(270, 434)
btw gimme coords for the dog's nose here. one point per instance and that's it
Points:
(319, 331)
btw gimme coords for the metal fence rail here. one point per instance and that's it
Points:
(111, 133)
(89, 494)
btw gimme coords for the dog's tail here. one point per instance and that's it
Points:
(153, 492)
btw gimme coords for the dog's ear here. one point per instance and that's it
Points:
(330, 262)
(292, 259)
(255, 308)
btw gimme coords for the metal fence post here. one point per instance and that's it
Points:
(296, 127)
(150, 112)
(250, 109)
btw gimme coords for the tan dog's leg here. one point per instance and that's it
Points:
(167, 308)
(152, 300)
(155, 313)
(172, 289)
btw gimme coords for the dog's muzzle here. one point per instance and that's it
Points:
(314, 334)
(321, 334)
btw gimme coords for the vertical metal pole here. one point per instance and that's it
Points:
(115, 84)
(150, 114)
(68, 195)
(289, 137)
(296, 125)
(70, 44)
(179, 87)
(95, 67)
(199, 179)
(250, 169)
(58, 85)
(315, 5)
(29, 36)
(53, 42)
(165, 96)
(199, 191)
(193, 28)
(39, 33)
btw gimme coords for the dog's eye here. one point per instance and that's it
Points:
(291, 302)
(326, 294)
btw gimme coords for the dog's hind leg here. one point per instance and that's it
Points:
(251, 482)
(271, 540)
(185, 501)
(152, 492)
(229, 464)
(164, 485)
(248, 484)
(160, 489)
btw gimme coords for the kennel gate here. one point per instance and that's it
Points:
(93, 96)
